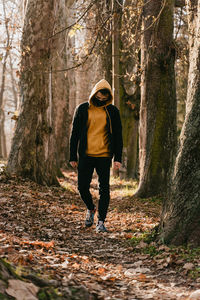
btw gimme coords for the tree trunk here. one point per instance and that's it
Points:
(106, 40)
(181, 213)
(70, 60)
(129, 91)
(2, 134)
(129, 105)
(59, 83)
(14, 84)
(3, 148)
(40, 142)
(116, 46)
(157, 129)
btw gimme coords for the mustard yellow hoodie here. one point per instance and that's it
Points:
(97, 134)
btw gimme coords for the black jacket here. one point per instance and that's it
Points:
(78, 139)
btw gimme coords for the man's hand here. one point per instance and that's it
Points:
(74, 164)
(116, 165)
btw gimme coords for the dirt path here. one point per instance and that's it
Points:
(42, 230)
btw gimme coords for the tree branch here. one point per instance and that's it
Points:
(79, 19)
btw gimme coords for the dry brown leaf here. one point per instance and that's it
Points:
(101, 271)
(46, 245)
(109, 277)
(128, 235)
(142, 277)
(30, 257)
(73, 206)
(119, 268)
(76, 266)
(188, 266)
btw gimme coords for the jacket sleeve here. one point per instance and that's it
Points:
(117, 137)
(75, 135)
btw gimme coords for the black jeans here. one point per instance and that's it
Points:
(86, 168)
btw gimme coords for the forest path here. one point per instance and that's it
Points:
(42, 231)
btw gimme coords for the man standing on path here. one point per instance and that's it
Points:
(97, 137)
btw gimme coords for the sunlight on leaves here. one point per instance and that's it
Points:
(75, 28)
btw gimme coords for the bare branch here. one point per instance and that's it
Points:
(70, 26)
(88, 55)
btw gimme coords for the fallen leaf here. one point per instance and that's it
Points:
(101, 271)
(132, 272)
(108, 277)
(141, 245)
(76, 266)
(46, 245)
(188, 266)
(128, 235)
(65, 264)
(142, 277)
(73, 206)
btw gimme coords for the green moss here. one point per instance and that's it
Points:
(49, 294)
(194, 274)
(3, 297)
(9, 269)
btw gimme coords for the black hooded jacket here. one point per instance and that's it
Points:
(78, 139)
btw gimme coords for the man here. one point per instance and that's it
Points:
(97, 137)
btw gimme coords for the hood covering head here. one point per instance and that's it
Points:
(102, 84)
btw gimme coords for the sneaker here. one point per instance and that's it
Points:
(100, 227)
(89, 221)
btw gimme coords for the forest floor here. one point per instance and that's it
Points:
(42, 233)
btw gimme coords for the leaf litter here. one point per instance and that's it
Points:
(42, 232)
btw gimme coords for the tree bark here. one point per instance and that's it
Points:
(157, 129)
(40, 142)
(179, 3)
(129, 91)
(3, 148)
(106, 40)
(14, 84)
(116, 46)
(181, 213)
(129, 110)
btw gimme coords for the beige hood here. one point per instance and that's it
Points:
(102, 84)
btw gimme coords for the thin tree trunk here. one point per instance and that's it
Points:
(3, 149)
(157, 129)
(40, 141)
(181, 213)
(106, 54)
(3, 136)
(14, 84)
(116, 52)
(116, 45)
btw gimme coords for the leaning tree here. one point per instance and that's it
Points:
(180, 222)
(40, 142)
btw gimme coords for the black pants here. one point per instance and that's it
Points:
(86, 168)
